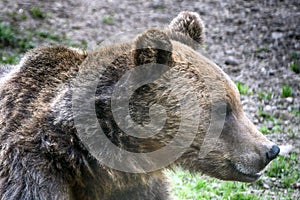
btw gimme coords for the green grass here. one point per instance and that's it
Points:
(265, 115)
(285, 169)
(25, 44)
(294, 56)
(263, 49)
(16, 15)
(187, 186)
(10, 38)
(292, 134)
(265, 130)
(84, 44)
(108, 19)
(243, 89)
(37, 13)
(296, 112)
(47, 35)
(23, 16)
(286, 91)
(265, 95)
(295, 65)
(279, 176)
(6, 58)
(275, 129)
(7, 36)
(13, 44)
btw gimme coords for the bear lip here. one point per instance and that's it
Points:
(253, 176)
(249, 177)
(246, 176)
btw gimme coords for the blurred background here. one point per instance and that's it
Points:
(257, 43)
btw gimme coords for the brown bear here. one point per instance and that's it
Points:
(104, 124)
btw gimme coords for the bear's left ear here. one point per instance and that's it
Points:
(153, 46)
(187, 28)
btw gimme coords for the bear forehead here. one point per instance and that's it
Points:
(186, 60)
(204, 66)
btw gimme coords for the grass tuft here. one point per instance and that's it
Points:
(286, 91)
(13, 44)
(6, 58)
(295, 67)
(266, 115)
(108, 19)
(243, 89)
(265, 96)
(265, 130)
(46, 35)
(280, 175)
(7, 36)
(36, 12)
(283, 168)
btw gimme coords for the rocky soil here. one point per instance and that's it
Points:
(255, 42)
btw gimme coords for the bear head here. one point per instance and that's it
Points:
(158, 86)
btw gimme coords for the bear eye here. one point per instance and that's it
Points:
(228, 110)
(223, 109)
(220, 109)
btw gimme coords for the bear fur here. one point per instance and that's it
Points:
(43, 155)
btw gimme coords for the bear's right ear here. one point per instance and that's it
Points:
(187, 28)
(153, 46)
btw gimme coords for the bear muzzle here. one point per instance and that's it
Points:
(254, 168)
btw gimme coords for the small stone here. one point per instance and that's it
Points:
(268, 108)
(272, 72)
(286, 116)
(270, 125)
(266, 186)
(289, 99)
(296, 185)
(277, 35)
(262, 56)
(228, 52)
(202, 12)
(231, 61)
(263, 71)
(273, 179)
(255, 121)
(285, 105)
(20, 11)
(231, 31)
(235, 69)
(254, 9)
(277, 113)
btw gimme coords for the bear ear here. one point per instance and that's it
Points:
(153, 46)
(187, 28)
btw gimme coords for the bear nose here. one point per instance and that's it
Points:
(273, 152)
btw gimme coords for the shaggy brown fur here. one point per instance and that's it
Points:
(42, 156)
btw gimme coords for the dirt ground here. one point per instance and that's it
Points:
(255, 42)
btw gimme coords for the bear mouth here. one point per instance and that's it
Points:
(243, 175)
(250, 177)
